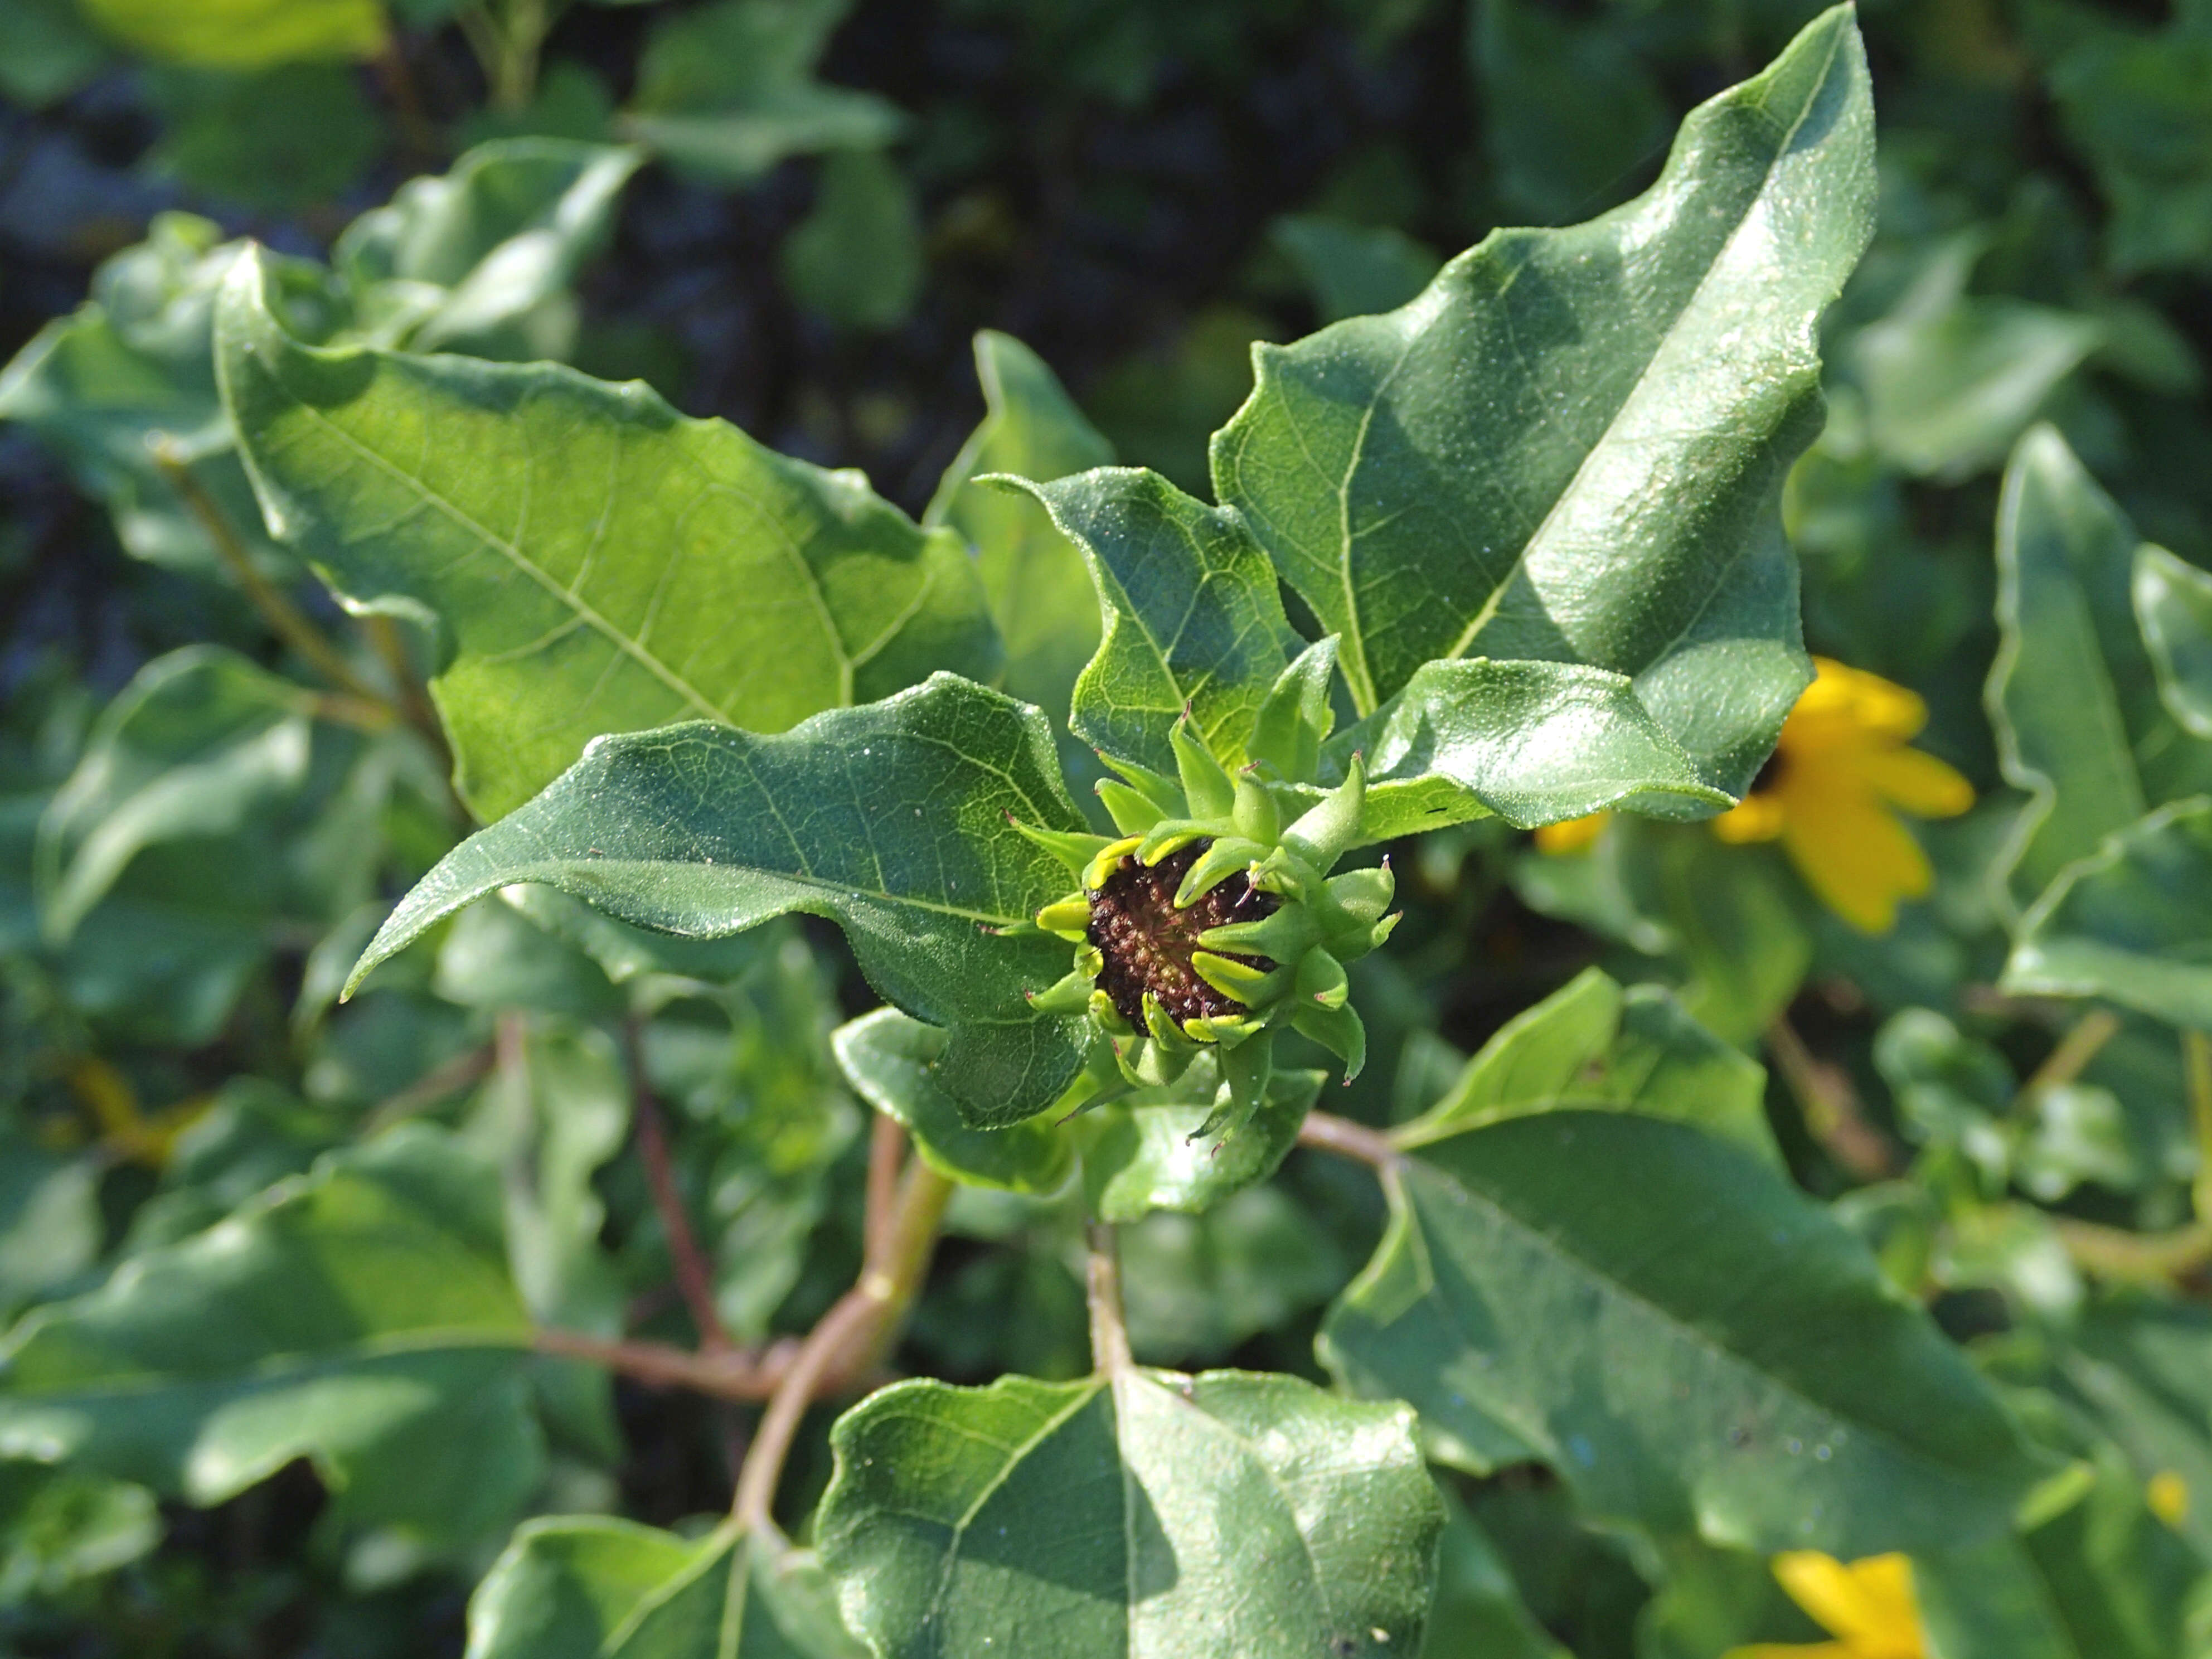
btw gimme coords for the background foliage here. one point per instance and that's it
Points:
(1711, 1226)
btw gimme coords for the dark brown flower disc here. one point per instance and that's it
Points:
(1147, 942)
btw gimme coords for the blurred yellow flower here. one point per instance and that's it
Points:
(2168, 1498)
(1868, 1605)
(1840, 775)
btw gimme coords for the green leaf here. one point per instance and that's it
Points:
(590, 1587)
(281, 140)
(2135, 103)
(135, 363)
(889, 819)
(727, 91)
(2073, 694)
(480, 259)
(1192, 616)
(1542, 76)
(361, 1317)
(1951, 381)
(888, 1058)
(59, 1528)
(1689, 1342)
(2142, 1370)
(2131, 922)
(1040, 592)
(199, 743)
(1140, 1155)
(1570, 448)
(1197, 1286)
(1146, 1512)
(1352, 270)
(2174, 605)
(599, 563)
(1592, 1046)
(1532, 742)
(1479, 1609)
(857, 258)
(51, 1228)
(47, 51)
(244, 35)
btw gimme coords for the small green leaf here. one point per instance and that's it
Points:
(889, 819)
(1542, 74)
(888, 1058)
(280, 139)
(1353, 270)
(196, 744)
(2074, 694)
(1592, 1046)
(480, 259)
(2132, 922)
(361, 1317)
(590, 1587)
(857, 258)
(59, 1528)
(1532, 742)
(727, 91)
(598, 563)
(2174, 604)
(48, 51)
(1688, 1341)
(1570, 447)
(1191, 613)
(1144, 1512)
(1140, 1155)
(245, 35)
(1040, 591)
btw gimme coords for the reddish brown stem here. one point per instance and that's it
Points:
(694, 1277)
(1345, 1139)
(886, 1153)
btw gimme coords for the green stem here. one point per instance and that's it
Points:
(2197, 1060)
(2075, 1051)
(1102, 1284)
(1341, 1136)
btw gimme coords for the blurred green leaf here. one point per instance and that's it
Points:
(1479, 1609)
(599, 563)
(888, 1057)
(591, 1587)
(361, 1317)
(857, 258)
(2140, 106)
(59, 1528)
(244, 35)
(1040, 591)
(1141, 1154)
(1760, 1384)
(2073, 694)
(1608, 498)
(46, 51)
(51, 1228)
(1353, 270)
(1592, 1046)
(728, 90)
(889, 819)
(480, 259)
(1541, 74)
(2174, 604)
(1223, 1513)
(275, 140)
(2131, 922)
(196, 744)
(1198, 1285)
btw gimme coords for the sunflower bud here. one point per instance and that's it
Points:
(1213, 921)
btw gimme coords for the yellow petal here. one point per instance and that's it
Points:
(1921, 784)
(1755, 818)
(1852, 852)
(1869, 1604)
(1842, 698)
(2168, 1498)
(1572, 835)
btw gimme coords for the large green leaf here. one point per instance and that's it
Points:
(1193, 619)
(1040, 592)
(890, 819)
(599, 563)
(361, 1317)
(245, 35)
(1592, 1046)
(2074, 694)
(1570, 447)
(199, 742)
(590, 1587)
(1144, 1512)
(480, 259)
(1689, 1342)
(2131, 922)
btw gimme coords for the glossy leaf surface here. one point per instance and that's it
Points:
(1684, 1339)
(1149, 1512)
(598, 563)
(889, 819)
(1570, 446)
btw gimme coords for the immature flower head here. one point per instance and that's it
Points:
(1212, 920)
